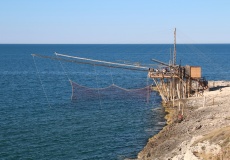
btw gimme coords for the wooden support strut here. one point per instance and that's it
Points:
(160, 91)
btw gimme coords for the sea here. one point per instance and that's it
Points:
(40, 120)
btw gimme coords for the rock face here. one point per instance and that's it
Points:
(204, 132)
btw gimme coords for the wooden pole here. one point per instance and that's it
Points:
(178, 92)
(204, 101)
(173, 98)
(174, 53)
(183, 109)
(160, 91)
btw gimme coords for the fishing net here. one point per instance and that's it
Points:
(111, 92)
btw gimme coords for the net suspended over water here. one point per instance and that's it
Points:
(111, 92)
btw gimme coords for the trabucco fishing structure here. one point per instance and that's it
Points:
(173, 82)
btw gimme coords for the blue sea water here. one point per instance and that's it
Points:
(38, 120)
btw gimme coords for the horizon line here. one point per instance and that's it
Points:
(100, 43)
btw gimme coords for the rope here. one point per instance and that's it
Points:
(98, 87)
(63, 67)
(207, 60)
(131, 90)
(110, 86)
(72, 95)
(111, 75)
(39, 77)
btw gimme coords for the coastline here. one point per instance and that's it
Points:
(204, 132)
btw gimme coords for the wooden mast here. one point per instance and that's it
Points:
(174, 52)
(174, 64)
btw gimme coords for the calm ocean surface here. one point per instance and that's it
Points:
(38, 120)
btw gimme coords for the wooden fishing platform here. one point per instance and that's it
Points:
(175, 82)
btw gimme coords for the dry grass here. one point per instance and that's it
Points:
(220, 137)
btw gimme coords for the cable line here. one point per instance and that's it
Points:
(39, 77)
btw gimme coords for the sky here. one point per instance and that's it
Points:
(114, 21)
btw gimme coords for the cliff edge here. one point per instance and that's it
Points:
(204, 132)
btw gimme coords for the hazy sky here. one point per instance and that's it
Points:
(114, 21)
